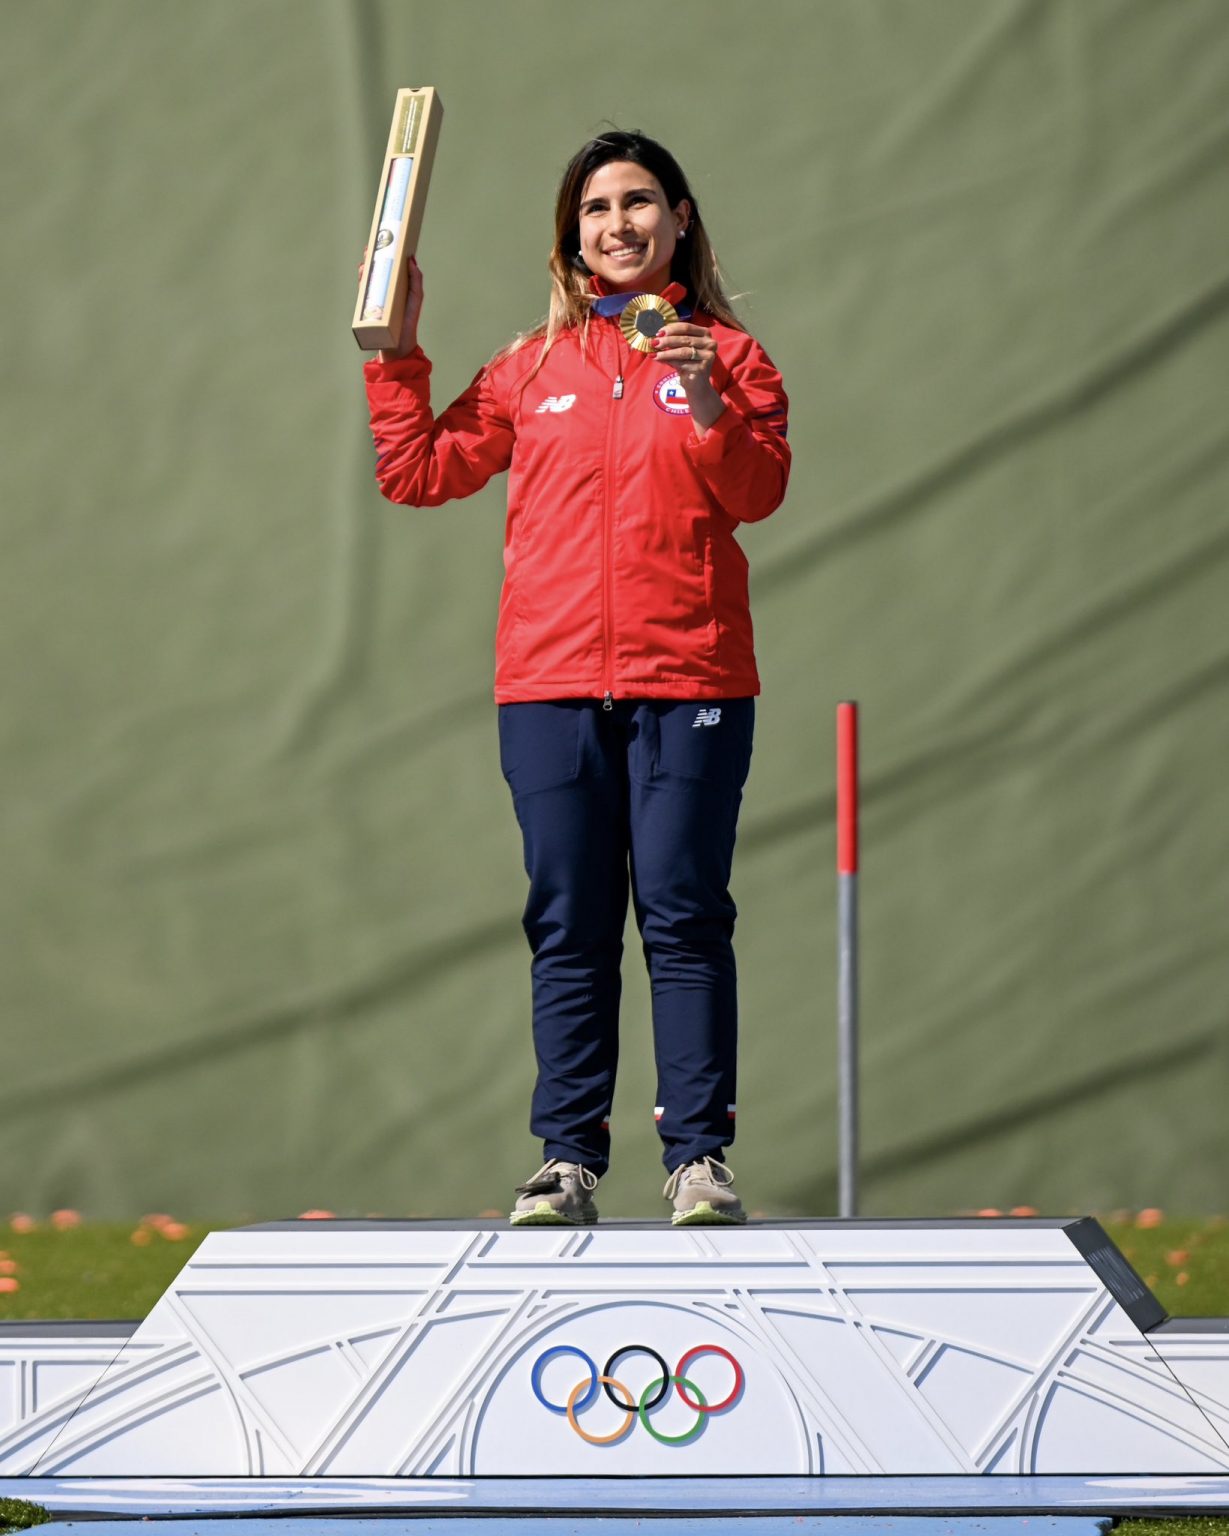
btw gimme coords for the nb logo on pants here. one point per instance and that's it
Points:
(706, 717)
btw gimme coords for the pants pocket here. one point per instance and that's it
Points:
(705, 740)
(539, 745)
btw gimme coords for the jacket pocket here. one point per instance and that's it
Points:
(710, 599)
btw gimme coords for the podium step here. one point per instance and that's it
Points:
(436, 1350)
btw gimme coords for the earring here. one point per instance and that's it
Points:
(683, 233)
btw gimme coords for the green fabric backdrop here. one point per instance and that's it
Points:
(260, 881)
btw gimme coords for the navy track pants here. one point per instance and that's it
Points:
(642, 795)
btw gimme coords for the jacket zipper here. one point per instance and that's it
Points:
(608, 547)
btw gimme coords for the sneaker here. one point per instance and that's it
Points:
(703, 1195)
(558, 1195)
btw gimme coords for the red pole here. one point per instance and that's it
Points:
(847, 955)
(847, 788)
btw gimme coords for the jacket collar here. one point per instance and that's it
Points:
(611, 304)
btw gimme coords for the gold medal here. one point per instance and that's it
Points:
(643, 317)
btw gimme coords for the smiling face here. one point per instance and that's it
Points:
(628, 230)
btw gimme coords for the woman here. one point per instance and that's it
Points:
(625, 674)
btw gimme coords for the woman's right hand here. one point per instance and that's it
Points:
(409, 323)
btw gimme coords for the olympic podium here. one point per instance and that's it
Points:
(820, 1350)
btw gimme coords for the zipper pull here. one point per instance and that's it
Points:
(617, 395)
(608, 701)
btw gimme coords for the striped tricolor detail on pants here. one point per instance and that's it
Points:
(730, 1111)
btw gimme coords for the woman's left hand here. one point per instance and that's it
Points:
(689, 348)
(692, 351)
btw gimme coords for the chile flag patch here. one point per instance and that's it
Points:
(670, 396)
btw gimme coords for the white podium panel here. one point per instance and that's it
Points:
(46, 1372)
(433, 1350)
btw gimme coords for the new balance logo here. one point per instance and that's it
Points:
(706, 717)
(556, 403)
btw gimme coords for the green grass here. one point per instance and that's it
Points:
(1177, 1525)
(96, 1271)
(1184, 1262)
(20, 1514)
(91, 1271)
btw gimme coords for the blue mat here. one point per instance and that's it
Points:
(867, 1506)
(618, 1525)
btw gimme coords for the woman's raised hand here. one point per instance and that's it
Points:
(413, 308)
(688, 348)
(409, 322)
(692, 351)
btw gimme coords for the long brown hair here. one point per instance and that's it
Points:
(694, 263)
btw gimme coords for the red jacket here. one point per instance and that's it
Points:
(623, 576)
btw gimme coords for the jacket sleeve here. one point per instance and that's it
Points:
(744, 457)
(422, 461)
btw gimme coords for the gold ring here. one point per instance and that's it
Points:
(584, 1434)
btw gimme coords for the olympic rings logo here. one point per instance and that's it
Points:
(585, 1392)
